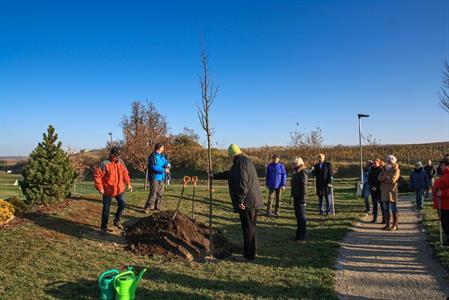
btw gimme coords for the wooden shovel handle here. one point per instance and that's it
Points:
(194, 180)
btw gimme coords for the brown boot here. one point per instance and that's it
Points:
(387, 221)
(395, 222)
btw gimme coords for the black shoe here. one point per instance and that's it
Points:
(383, 222)
(118, 224)
(268, 213)
(373, 221)
(276, 213)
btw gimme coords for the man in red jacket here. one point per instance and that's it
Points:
(110, 180)
(440, 192)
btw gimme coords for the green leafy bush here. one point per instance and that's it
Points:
(19, 206)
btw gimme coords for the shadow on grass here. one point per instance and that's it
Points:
(248, 288)
(75, 229)
(88, 289)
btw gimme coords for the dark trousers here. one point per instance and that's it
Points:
(444, 215)
(156, 194)
(301, 220)
(420, 198)
(323, 193)
(107, 206)
(270, 199)
(248, 218)
(376, 199)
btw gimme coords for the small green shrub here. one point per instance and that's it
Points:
(19, 206)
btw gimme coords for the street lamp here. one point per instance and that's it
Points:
(110, 134)
(360, 116)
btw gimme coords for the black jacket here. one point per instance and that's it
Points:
(299, 185)
(243, 184)
(431, 171)
(324, 175)
(373, 178)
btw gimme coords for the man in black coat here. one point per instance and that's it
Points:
(323, 179)
(244, 191)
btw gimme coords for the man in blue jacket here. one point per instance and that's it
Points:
(275, 182)
(419, 182)
(158, 167)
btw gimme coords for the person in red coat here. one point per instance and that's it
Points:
(440, 192)
(110, 180)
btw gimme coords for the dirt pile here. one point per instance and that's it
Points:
(158, 234)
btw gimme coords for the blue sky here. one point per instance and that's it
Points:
(78, 65)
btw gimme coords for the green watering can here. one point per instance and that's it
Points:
(126, 283)
(106, 284)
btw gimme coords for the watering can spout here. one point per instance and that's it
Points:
(139, 277)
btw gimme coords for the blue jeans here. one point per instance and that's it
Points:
(420, 198)
(106, 207)
(390, 206)
(324, 193)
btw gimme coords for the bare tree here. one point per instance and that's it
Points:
(315, 138)
(208, 93)
(444, 95)
(297, 137)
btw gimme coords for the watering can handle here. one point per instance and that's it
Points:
(107, 273)
(194, 180)
(120, 276)
(186, 180)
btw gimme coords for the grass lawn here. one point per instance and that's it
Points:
(59, 255)
(431, 223)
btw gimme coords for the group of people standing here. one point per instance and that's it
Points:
(381, 182)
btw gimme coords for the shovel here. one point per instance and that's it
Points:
(185, 180)
(194, 181)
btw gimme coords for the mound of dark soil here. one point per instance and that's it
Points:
(158, 234)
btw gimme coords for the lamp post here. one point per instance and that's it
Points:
(110, 140)
(360, 116)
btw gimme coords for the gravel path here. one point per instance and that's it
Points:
(377, 264)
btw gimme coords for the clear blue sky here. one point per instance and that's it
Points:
(78, 65)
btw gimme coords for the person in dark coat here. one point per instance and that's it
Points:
(366, 188)
(244, 191)
(374, 184)
(275, 181)
(419, 182)
(431, 173)
(299, 194)
(323, 174)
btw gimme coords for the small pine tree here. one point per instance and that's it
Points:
(48, 176)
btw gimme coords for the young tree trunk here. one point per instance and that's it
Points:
(209, 164)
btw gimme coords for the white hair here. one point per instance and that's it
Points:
(297, 162)
(392, 158)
